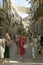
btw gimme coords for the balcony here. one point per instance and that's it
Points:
(39, 11)
(4, 14)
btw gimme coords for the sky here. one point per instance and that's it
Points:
(19, 3)
(22, 3)
(22, 14)
(1, 1)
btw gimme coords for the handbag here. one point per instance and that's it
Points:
(31, 43)
(25, 46)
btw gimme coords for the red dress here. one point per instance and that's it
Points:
(21, 44)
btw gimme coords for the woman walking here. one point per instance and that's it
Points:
(21, 43)
(34, 46)
(1, 50)
(7, 47)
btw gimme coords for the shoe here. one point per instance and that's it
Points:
(39, 52)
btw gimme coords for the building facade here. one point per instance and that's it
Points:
(4, 19)
(16, 20)
(37, 15)
(26, 23)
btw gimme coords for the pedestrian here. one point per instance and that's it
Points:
(34, 46)
(38, 37)
(1, 50)
(38, 43)
(7, 47)
(41, 42)
(21, 43)
(13, 49)
(27, 40)
(33, 43)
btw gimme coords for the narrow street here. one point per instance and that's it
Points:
(28, 60)
(28, 55)
(21, 32)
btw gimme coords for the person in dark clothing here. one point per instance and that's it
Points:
(7, 47)
(41, 43)
(6, 53)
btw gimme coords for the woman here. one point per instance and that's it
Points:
(41, 43)
(34, 46)
(1, 50)
(21, 43)
(7, 47)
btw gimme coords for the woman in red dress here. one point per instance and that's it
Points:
(21, 43)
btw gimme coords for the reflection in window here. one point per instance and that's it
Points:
(1, 3)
